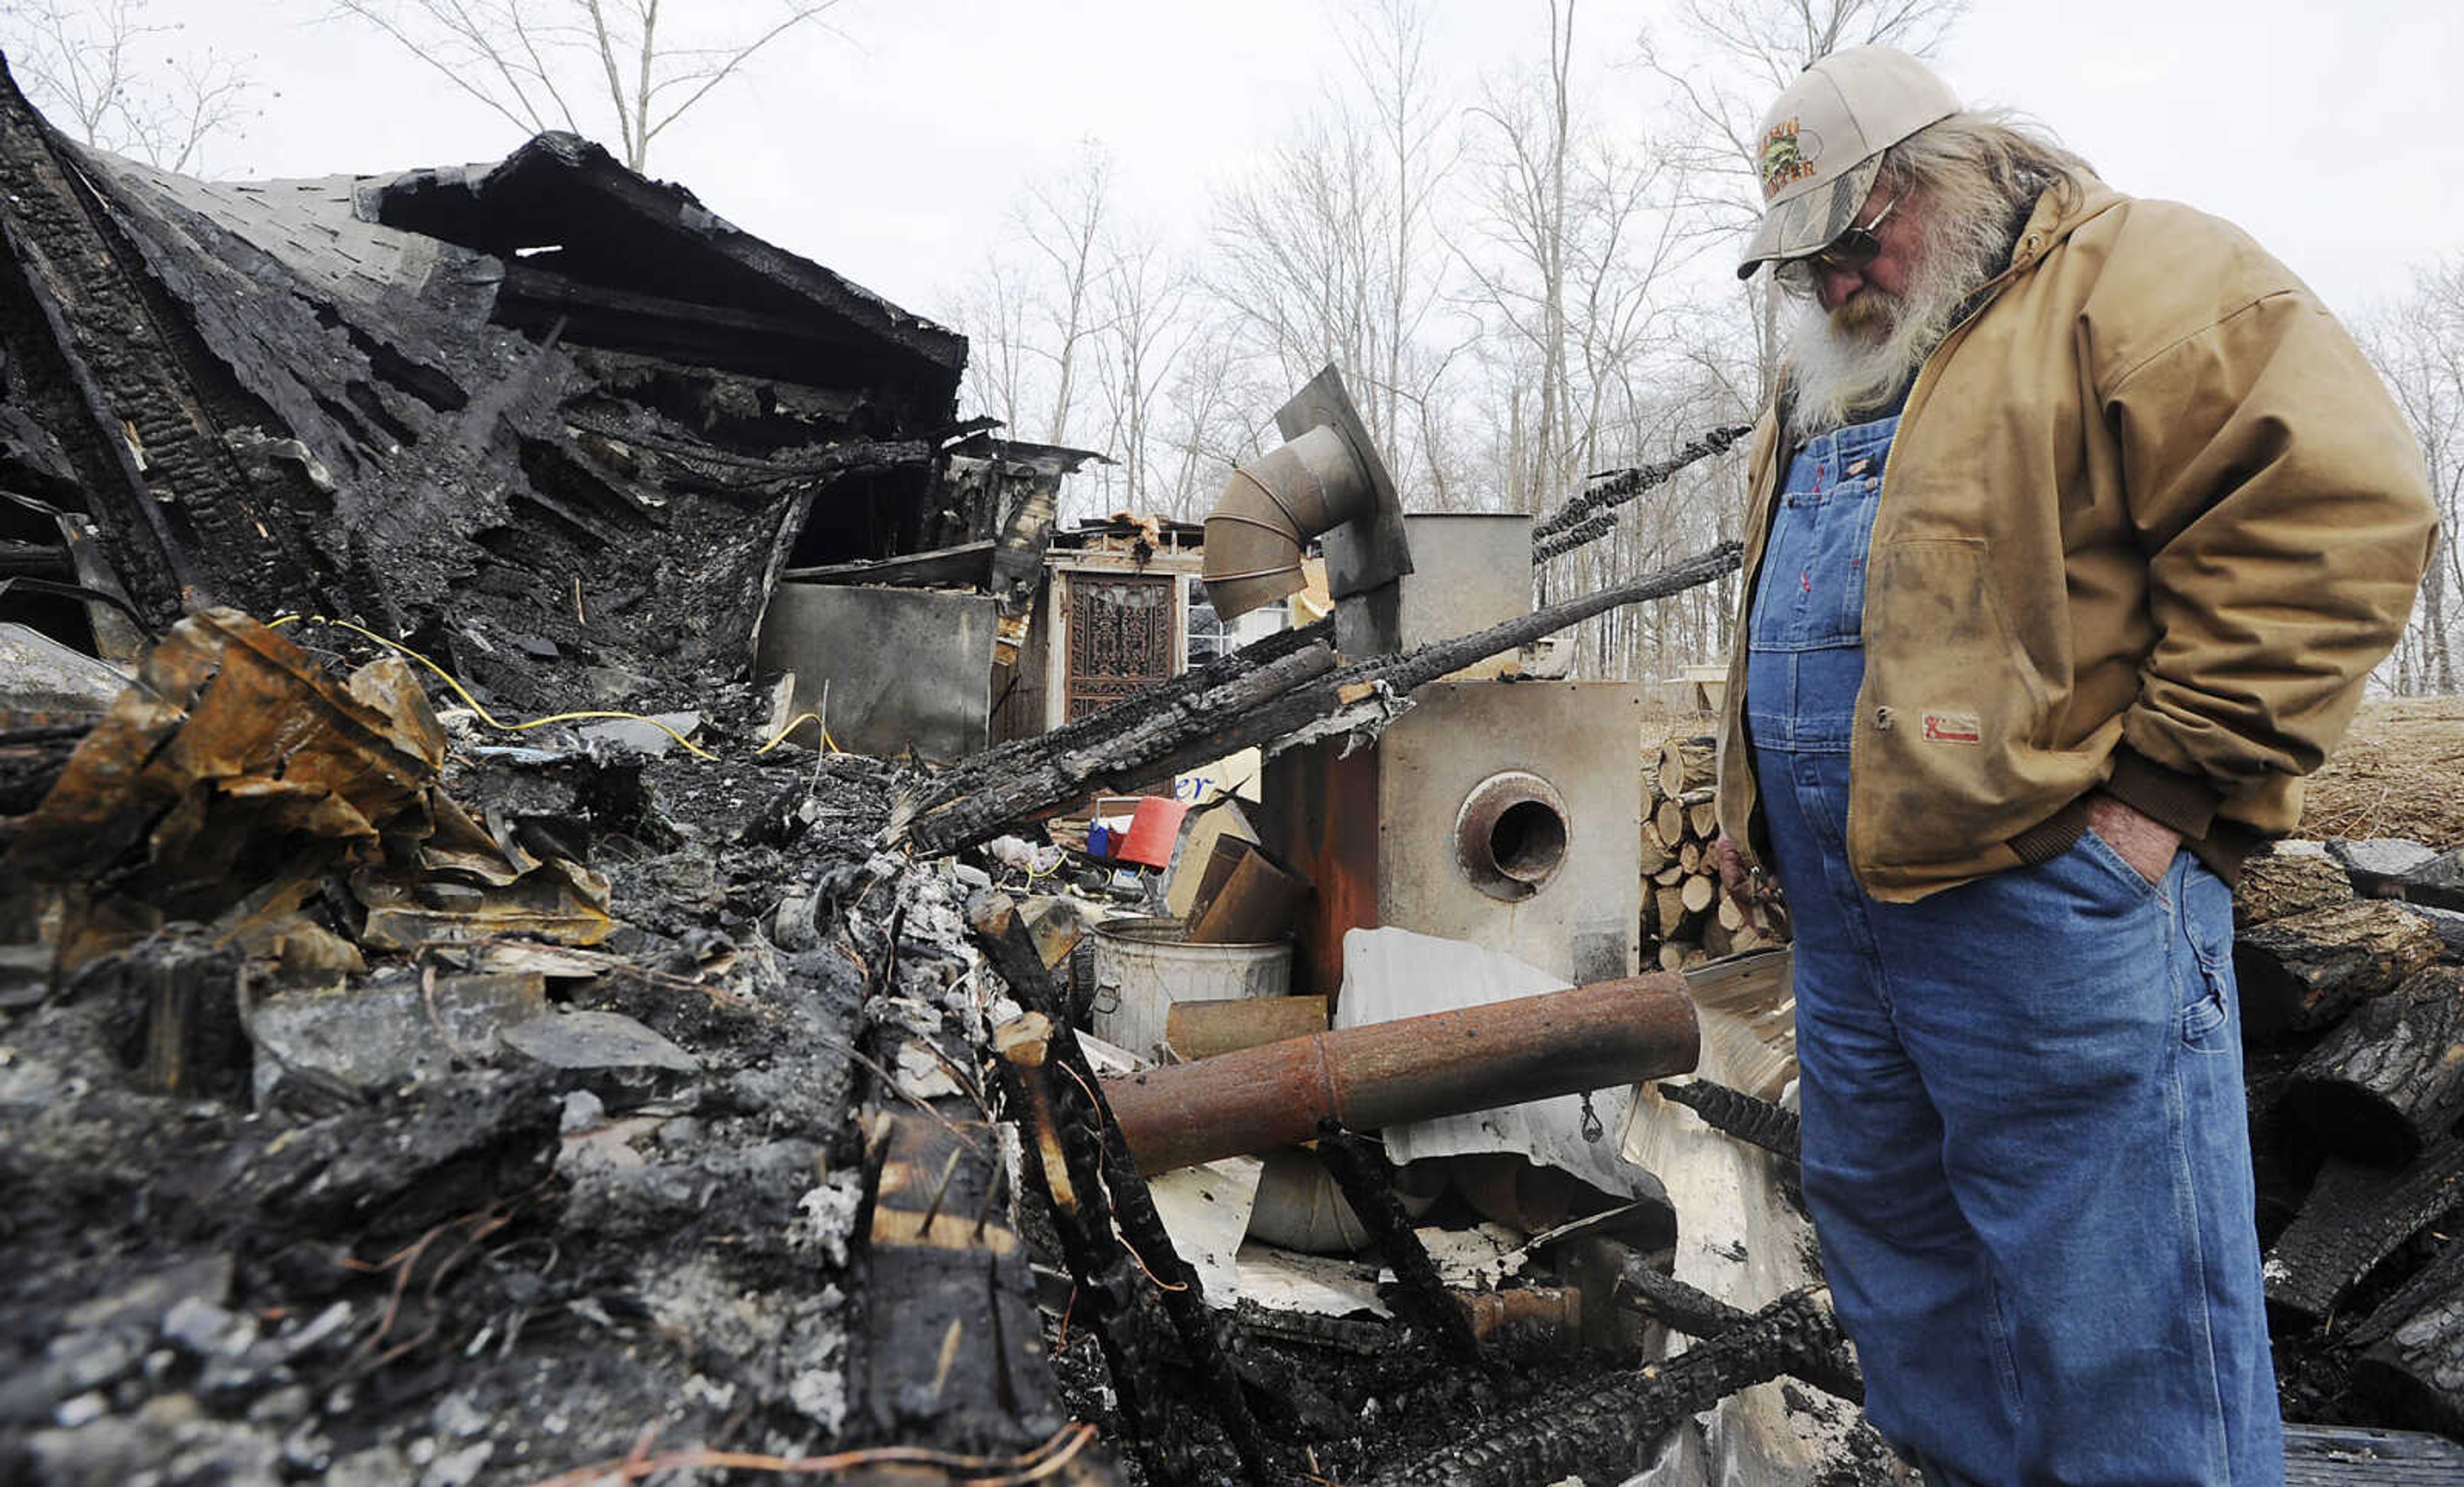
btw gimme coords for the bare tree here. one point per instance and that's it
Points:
(557, 64)
(993, 310)
(1331, 250)
(1567, 262)
(1566, 266)
(1214, 408)
(86, 67)
(1145, 299)
(1062, 224)
(2418, 345)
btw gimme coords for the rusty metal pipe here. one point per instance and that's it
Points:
(1595, 1037)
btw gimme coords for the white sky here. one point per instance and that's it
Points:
(892, 153)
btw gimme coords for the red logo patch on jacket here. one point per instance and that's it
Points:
(1959, 728)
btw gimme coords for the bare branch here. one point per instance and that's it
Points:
(535, 62)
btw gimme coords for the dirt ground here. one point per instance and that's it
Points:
(2400, 773)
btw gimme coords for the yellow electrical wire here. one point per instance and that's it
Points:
(814, 718)
(494, 722)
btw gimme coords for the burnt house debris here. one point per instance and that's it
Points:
(560, 427)
(698, 1083)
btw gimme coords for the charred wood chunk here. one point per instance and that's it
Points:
(2303, 971)
(179, 1024)
(2443, 1276)
(960, 1357)
(2390, 1080)
(1734, 1112)
(2413, 1354)
(2279, 885)
(388, 1171)
(2447, 924)
(2357, 1216)
(2420, 1363)
(1359, 1168)
(2438, 882)
(1699, 1314)
(1606, 1431)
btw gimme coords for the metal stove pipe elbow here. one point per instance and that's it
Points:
(1269, 512)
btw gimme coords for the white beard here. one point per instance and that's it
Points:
(1837, 376)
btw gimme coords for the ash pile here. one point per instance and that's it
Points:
(398, 1084)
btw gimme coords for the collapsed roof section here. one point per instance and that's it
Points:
(540, 412)
(623, 260)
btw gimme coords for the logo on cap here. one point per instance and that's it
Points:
(1788, 154)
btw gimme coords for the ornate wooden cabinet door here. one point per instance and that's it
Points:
(1123, 634)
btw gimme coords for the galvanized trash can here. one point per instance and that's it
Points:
(1142, 966)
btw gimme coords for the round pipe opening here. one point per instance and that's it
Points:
(1528, 841)
(1511, 834)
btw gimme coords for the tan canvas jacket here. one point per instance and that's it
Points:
(2148, 521)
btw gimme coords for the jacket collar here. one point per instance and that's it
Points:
(2052, 220)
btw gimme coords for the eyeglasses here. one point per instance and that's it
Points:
(1859, 246)
(1853, 249)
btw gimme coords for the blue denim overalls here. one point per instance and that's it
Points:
(2026, 1147)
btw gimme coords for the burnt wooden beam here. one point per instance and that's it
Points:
(754, 342)
(1735, 1113)
(1061, 775)
(1267, 704)
(1585, 518)
(1699, 1314)
(1005, 941)
(968, 563)
(957, 1357)
(1606, 1431)
(1004, 759)
(950, 1351)
(1359, 1167)
(1064, 1168)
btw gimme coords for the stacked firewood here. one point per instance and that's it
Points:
(1687, 918)
(2353, 1011)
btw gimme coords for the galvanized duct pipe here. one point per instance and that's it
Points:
(1269, 512)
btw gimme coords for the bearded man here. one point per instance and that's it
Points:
(2075, 532)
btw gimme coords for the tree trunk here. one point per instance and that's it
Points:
(2355, 1218)
(2415, 1346)
(2278, 885)
(2390, 1081)
(2306, 971)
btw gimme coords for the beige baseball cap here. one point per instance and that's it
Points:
(1821, 146)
